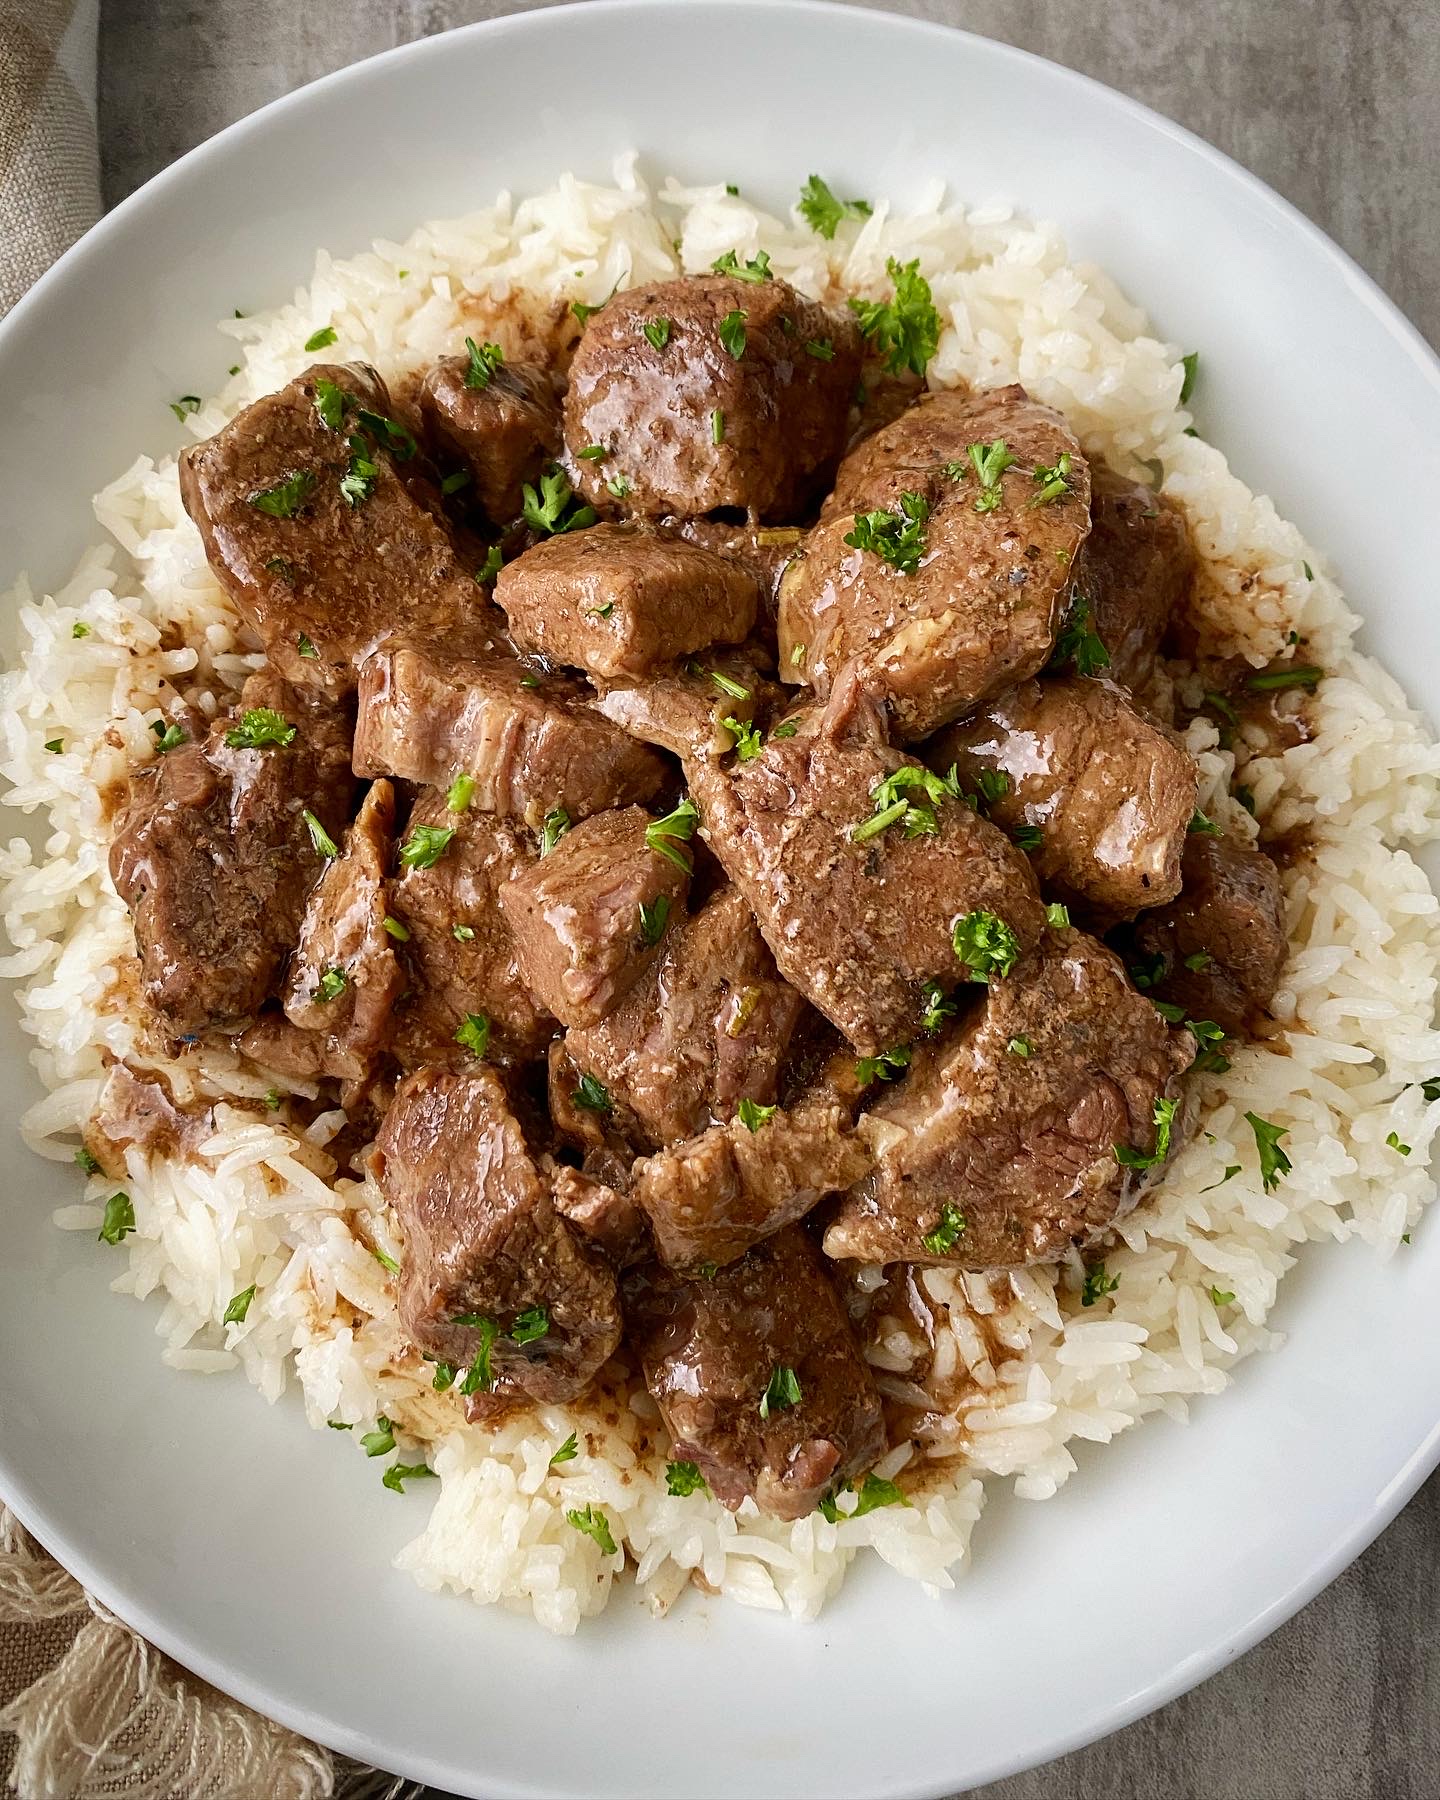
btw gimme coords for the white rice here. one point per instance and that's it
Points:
(260, 1203)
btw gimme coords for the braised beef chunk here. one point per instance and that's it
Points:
(706, 1026)
(620, 600)
(1133, 574)
(344, 977)
(529, 742)
(610, 1216)
(493, 1280)
(758, 1377)
(713, 1196)
(1099, 796)
(709, 392)
(685, 709)
(998, 1146)
(860, 915)
(308, 524)
(214, 857)
(958, 590)
(588, 918)
(458, 953)
(280, 1048)
(500, 421)
(1218, 950)
(763, 549)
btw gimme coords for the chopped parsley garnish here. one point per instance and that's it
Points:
(286, 498)
(1053, 482)
(985, 944)
(890, 797)
(988, 462)
(937, 1007)
(385, 1260)
(479, 1375)
(875, 1492)
(185, 405)
(86, 1162)
(1203, 826)
(941, 1240)
(1246, 797)
(1199, 959)
(906, 329)
(782, 1391)
(398, 1474)
(1020, 1046)
(734, 689)
(453, 483)
(657, 331)
(459, 793)
(339, 1425)
(717, 426)
(1219, 705)
(653, 919)
(756, 269)
(1079, 642)
(752, 1115)
(1164, 1123)
(1231, 1171)
(749, 739)
(319, 340)
(554, 509)
(272, 1099)
(1222, 1296)
(897, 538)
(1393, 1142)
(1304, 675)
(604, 612)
(1057, 916)
(530, 681)
(462, 934)
(786, 729)
(389, 432)
(1168, 1010)
(1191, 365)
(1097, 1285)
(485, 359)
(884, 1067)
(821, 349)
(593, 453)
(169, 737)
(425, 845)
(260, 727)
(1027, 837)
(331, 985)
(583, 312)
(282, 567)
(567, 1452)
(797, 656)
(319, 836)
(55, 745)
(666, 836)
(595, 1525)
(682, 1478)
(79, 629)
(306, 647)
(1145, 974)
(380, 1441)
(822, 212)
(119, 1220)
(444, 1377)
(358, 482)
(474, 1034)
(619, 487)
(994, 784)
(1209, 1037)
(592, 1095)
(732, 333)
(530, 1325)
(494, 562)
(554, 826)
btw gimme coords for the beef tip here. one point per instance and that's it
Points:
(610, 1216)
(765, 550)
(770, 1323)
(589, 918)
(1134, 574)
(344, 977)
(1101, 797)
(712, 1197)
(214, 858)
(487, 1257)
(998, 1147)
(620, 600)
(706, 1026)
(504, 431)
(980, 607)
(861, 925)
(313, 532)
(684, 709)
(1219, 949)
(459, 954)
(687, 425)
(528, 742)
(291, 1051)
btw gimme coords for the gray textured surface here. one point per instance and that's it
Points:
(1336, 104)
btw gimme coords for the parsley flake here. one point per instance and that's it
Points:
(756, 269)
(732, 333)
(380, 1441)
(884, 1067)
(752, 1115)
(682, 1478)
(529, 1326)
(425, 845)
(554, 508)
(749, 739)
(1098, 1283)
(259, 728)
(657, 331)
(554, 826)
(667, 836)
(653, 920)
(398, 1474)
(986, 945)
(485, 359)
(331, 985)
(1079, 643)
(319, 340)
(822, 212)
(474, 1034)
(119, 1220)
(1164, 1124)
(897, 538)
(595, 1525)
(324, 844)
(941, 1240)
(782, 1391)
(459, 793)
(286, 498)
(567, 1452)
(592, 1095)
(906, 329)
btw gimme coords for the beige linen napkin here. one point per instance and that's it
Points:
(87, 1710)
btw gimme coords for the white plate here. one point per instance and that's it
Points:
(247, 1546)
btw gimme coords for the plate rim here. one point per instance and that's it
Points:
(1345, 1545)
